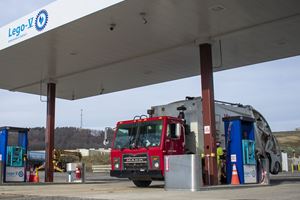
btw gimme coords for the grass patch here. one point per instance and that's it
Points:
(96, 158)
(289, 141)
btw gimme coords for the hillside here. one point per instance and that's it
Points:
(289, 141)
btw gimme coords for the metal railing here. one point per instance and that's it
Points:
(101, 168)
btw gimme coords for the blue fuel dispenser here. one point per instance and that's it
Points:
(240, 146)
(13, 153)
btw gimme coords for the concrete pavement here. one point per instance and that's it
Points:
(281, 189)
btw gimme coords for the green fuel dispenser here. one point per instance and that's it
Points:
(13, 154)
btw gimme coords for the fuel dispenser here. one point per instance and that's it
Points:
(240, 145)
(13, 153)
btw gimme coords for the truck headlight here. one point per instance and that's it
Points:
(155, 162)
(116, 163)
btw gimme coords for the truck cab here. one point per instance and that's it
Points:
(139, 147)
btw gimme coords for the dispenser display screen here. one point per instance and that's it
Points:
(248, 152)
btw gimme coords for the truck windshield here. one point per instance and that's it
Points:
(142, 134)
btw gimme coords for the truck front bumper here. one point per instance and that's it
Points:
(136, 174)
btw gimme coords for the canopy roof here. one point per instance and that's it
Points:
(153, 41)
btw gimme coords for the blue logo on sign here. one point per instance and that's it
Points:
(41, 20)
(21, 174)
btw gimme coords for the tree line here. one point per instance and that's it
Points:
(66, 138)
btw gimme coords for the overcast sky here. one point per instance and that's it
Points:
(272, 88)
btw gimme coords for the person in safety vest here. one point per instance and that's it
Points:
(220, 154)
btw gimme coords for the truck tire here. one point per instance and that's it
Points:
(276, 168)
(270, 163)
(139, 183)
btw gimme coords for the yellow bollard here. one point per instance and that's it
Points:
(298, 167)
(292, 168)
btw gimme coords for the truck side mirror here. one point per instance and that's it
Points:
(105, 140)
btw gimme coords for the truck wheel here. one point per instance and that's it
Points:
(276, 168)
(270, 163)
(141, 183)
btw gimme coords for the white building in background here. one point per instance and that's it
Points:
(92, 151)
(84, 152)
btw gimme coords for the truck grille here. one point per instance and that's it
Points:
(135, 162)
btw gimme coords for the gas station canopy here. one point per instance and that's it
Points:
(93, 47)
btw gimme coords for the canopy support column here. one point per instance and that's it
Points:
(49, 137)
(208, 110)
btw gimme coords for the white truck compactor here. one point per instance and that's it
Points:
(266, 144)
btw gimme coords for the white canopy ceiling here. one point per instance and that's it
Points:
(152, 42)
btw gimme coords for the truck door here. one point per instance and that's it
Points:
(174, 143)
